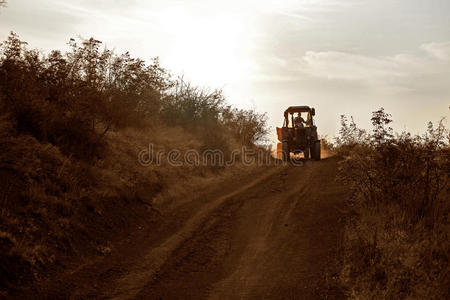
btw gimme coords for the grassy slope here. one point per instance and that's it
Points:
(57, 211)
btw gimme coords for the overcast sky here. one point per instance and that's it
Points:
(340, 56)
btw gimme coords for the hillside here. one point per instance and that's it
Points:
(85, 140)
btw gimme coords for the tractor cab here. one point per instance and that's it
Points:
(292, 114)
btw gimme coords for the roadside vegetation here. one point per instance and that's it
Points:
(73, 99)
(71, 128)
(396, 243)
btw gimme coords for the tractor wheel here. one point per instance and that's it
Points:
(284, 151)
(316, 150)
(306, 153)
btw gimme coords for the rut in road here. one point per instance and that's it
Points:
(140, 275)
(274, 238)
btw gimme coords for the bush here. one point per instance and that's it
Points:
(247, 126)
(192, 106)
(396, 244)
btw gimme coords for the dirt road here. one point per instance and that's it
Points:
(271, 235)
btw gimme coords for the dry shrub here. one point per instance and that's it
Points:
(74, 99)
(396, 243)
(206, 113)
(39, 193)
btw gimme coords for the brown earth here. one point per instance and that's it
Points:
(270, 234)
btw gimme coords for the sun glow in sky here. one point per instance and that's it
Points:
(208, 49)
(340, 56)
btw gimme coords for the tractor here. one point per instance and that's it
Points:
(298, 135)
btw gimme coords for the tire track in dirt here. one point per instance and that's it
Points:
(274, 237)
(273, 240)
(141, 275)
